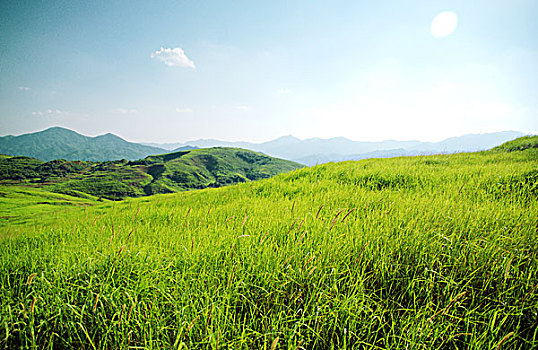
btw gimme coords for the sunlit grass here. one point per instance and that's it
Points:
(404, 253)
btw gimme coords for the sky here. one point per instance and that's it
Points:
(173, 71)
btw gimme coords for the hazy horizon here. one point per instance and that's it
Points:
(172, 72)
(262, 141)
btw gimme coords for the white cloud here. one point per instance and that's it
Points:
(23, 88)
(283, 91)
(50, 112)
(184, 110)
(56, 114)
(173, 57)
(126, 110)
(243, 108)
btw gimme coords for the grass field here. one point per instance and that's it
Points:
(437, 252)
(24, 204)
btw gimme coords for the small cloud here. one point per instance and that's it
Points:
(173, 57)
(283, 91)
(56, 113)
(50, 112)
(126, 111)
(184, 110)
(23, 88)
(243, 108)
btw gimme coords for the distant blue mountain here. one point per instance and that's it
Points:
(61, 143)
(316, 151)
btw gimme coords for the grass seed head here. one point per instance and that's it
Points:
(504, 339)
(30, 278)
(263, 237)
(275, 343)
(32, 305)
(192, 323)
(95, 302)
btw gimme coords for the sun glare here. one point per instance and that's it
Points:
(444, 24)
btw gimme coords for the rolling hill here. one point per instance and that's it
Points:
(164, 173)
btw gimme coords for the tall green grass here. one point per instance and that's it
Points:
(405, 253)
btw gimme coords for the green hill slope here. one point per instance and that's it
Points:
(165, 173)
(61, 143)
(518, 144)
(22, 204)
(436, 252)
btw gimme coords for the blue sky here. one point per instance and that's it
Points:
(171, 71)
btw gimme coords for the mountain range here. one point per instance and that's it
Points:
(61, 143)
(316, 150)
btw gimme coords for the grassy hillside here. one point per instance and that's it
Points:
(405, 253)
(518, 144)
(166, 173)
(25, 204)
(61, 143)
(209, 167)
